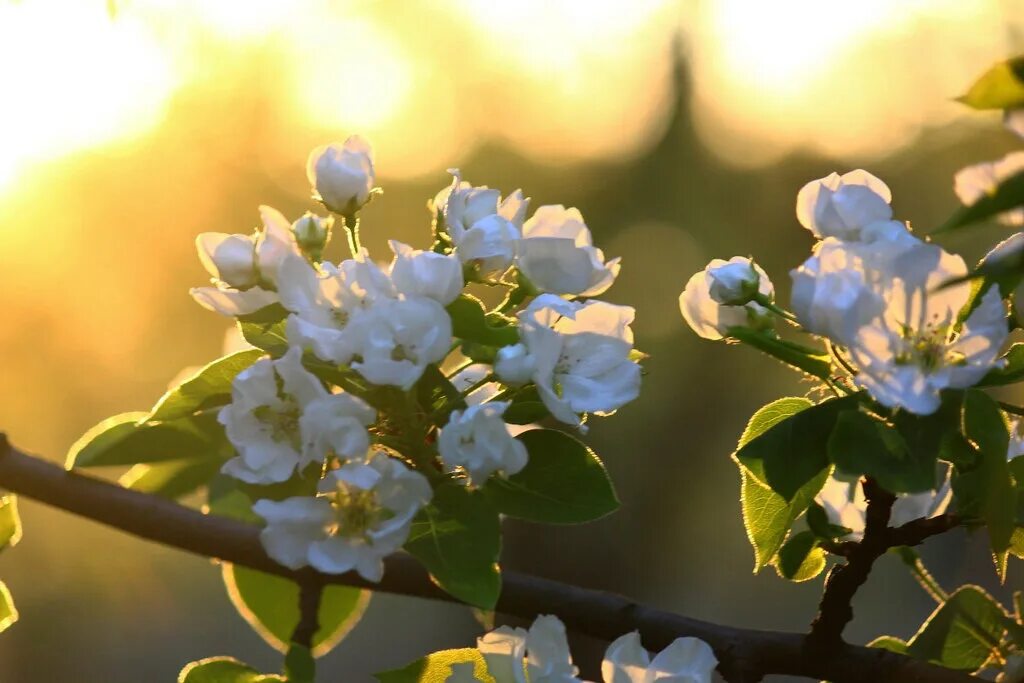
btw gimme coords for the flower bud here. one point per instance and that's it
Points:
(710, 318)
(342, 174)
(840, 206)
(229, 258)
(311, 233)
(514, 364)
(425, 273)
(734, 283)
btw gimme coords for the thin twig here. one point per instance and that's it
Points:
(745, 655)
(311, 588)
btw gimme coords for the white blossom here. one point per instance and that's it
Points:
(557, 254)
(711, 319)
(278, 430)
(323, 303)
(363, 515)
(539, 655)
(686, 659)
(975, 182)
(514, 365)
(342, 174)
(581, 353)
(483, 227)
(1013, 120)
(840, 206)
(394, 340)
(425, 273)
(734, 283)
(244, 267)
(846, 506)
(478, 440)
(911, 351)
(1015, 447)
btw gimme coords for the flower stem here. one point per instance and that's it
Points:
(912, 559)
(775, 308)
(351, 225)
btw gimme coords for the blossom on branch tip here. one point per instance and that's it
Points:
(557, 254)
(581, 355)
(538, 655)
(711, 319)
(478, 440)
(840, 206)
(342, 174)
(685, 659)
(734, 283)
(363, 514)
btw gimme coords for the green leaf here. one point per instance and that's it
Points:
(563, 483)
(987, 490)
(171, 478)
(210, 387)
(299, 665)
(270, 605)
(471, 322)
(800, 558)
(269, 335)
(437, 667)
(890, 643)
(10, 521)
(224, 670)
(863, 445)
(820, 526)
(526, 407)
(813, 363)
(962, 632)
(438, 396)
(767, 516)
(123, 440)
(1010, 373)
(1001, 87)
(457, 537)
(794, 450)
(8, 612)
(1009, 194)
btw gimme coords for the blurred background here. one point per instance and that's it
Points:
(682, 130)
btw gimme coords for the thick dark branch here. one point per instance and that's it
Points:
(745, 655)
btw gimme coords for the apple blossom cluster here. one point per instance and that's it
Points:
(885, 301)
(361, 402)
(541, 655)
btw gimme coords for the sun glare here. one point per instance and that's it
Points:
(74, 79)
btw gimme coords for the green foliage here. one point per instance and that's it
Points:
(817, 364)
(864, 445)
(8, 612)
(437, 667)
(472, 323)
(209, 388)
(124, 440)
(438, 396)
(800, 558)
(1001, 87)
(794, 450)
(270, 605)
(172, 478)
(526, 407)
(10, 522)
(817, 522)
(986, 491)
(265, 329)
(962, 633)
(1011, 372)
(224, 670)
(299, 665)
(1009, 194)
(457, 537)
(563, 483)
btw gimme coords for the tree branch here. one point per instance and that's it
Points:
(311, 589)
(745, 655)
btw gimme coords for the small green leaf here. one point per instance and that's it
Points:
(1011, 372)
(438, 396)
(1008, 195)
(224, 670)
(987, 490)
(437, 667)
(962, 633)
(10, 521)
(268, 335)
(800, 558)
(123, 440)
(813, 363)
(563, 483)
(8, 612)
(171, 478)
(1001, 87)
(820, 526)
(471, 322)
(863, 445)
(457, 537)
(794, 450)
(270, 605)
(890, 643)
(210, 387)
